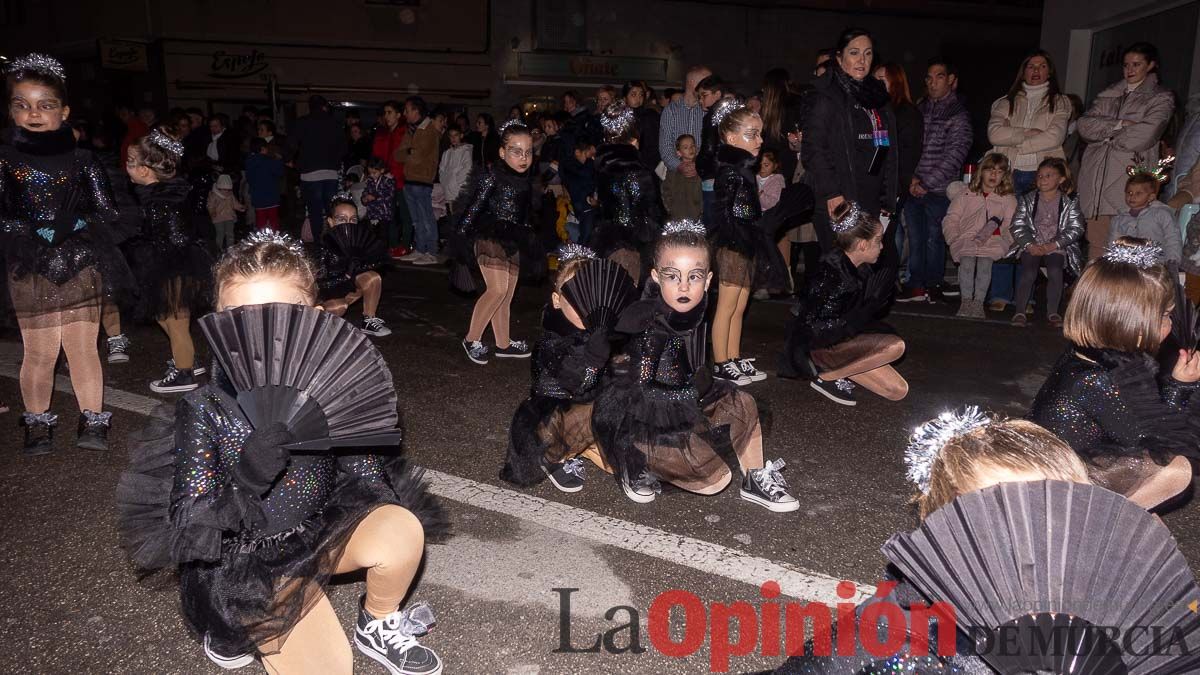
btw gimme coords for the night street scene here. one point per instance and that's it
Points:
(560, 336)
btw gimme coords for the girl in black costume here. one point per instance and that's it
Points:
(629, 200)
(655, 415)
(835, 341)
(345, 278)
(494, 231)
(55, 208)
(175, 267)
(257, 533)
(1134, 427)
(552, 428)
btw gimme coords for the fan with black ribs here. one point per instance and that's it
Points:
(309, 370)
(360, 245)
(599, 291)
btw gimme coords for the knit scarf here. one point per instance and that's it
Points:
(869, 93)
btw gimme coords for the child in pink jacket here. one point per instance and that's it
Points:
(977, 230)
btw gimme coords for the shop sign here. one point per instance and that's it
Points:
(236, 65)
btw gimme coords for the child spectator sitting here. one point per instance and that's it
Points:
(977, 228)
(264, 174)
(1148, 218)
(377, 195)
(681, 194)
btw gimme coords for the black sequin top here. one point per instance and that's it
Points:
(629, 199)
(497, 206)
(566, 361)
(164, 222)
(209, 438)
(51, 195)
(667, 349)
(342, 260)
(736, 209)
(833, 308)
(1105, 402)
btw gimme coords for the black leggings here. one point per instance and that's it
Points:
(1054, 282)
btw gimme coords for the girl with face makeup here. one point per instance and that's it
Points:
(653, 416)
(494, 232)
(835, 341)
(350, 275)
(56, 207)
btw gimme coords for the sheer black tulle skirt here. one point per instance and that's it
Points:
(172, 280)
(56, 285)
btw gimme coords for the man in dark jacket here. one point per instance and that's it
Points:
(317, 145)
(947, 139)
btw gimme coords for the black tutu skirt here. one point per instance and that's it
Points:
(172, 279)
(503, 248)
(55, 285)
(260, 588)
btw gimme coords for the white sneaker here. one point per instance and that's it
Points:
(730, 372)
(412, 256)
(427, 259)
(392, 640)
(374, 326)
(643, 489)
(767, 488)
(748, 369)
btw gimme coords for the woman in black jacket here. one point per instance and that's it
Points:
(847, 149)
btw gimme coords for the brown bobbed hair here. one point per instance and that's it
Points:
(1119, 305)
(1006, 445)
(248, 259)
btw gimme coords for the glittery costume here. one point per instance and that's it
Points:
(250, 566)
(338, 267)
(494, 228)
(861, 662)
(658, 406)
(55, 209)
(555, 422)
(631, 209)
(836, 324)
(174, 265)
(1121, 415)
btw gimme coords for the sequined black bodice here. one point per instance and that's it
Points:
(163, 217)
(500, 201)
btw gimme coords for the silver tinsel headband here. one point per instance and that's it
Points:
(849, 220)
(723, 108)
(927, 441)
(38, 63)
(679, 226)
(508, 123)
(1142, 256)
(617, 119)
(573, 251)
(269, 236)
(166, 143)
(343, 197)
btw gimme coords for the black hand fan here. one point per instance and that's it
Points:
(308, 369)
(359, 243)
(1051, 561)
(599, 291)
(1183, 320)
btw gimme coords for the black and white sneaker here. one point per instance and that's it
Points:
(196, 369)
(748, 369)
(767, 488)
(731, 372)
(643, 489)
(223, 661)
(841, 391)
(477, 351)
(375, 327)
(566, 476)
(392, 640)
(175, 381)
(118, 349)
(516, 349)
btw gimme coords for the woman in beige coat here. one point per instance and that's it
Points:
(1122, 128)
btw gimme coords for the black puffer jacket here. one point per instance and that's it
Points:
(630, 206)
(735, 202)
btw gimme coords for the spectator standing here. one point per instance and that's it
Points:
(635, 93)
(454, 167)
(223, 208)
(264, 175)
(318, 144)
(134, 130)
(1122, 128)
(680, 192)
(224, 149)
(910, 128)
(709, 92)
(944, 147)
(484, 141)
(682, 116)
(418, 152)
(388, 137)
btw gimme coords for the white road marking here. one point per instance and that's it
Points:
(697, 554)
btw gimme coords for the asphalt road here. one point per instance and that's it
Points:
(71, 604)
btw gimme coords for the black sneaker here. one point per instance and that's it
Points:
(175, 381)
(477, 351)
(196, 370)
(516, 349)
(643, 489)
(392, 640)
(767, 488)
(375, 327)
(567, 476)
(748, 369)
(93, 430)
(227, 662)
(730, 372)
(949, 291)
(39, 433)
(841, 391)
(118, 349)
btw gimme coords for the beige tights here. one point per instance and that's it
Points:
(727, 322)
(493, 306)
(42, 346)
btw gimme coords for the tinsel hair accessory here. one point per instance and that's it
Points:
(1158, 172)
(848, 219)
(167, 143)
(926, 443)
(1142, 256)
(617, 119)
(38, 63)
(723, 108)
(572, 251)
(269, 236)
(679, 226)
(342, 197)
(507, 124)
